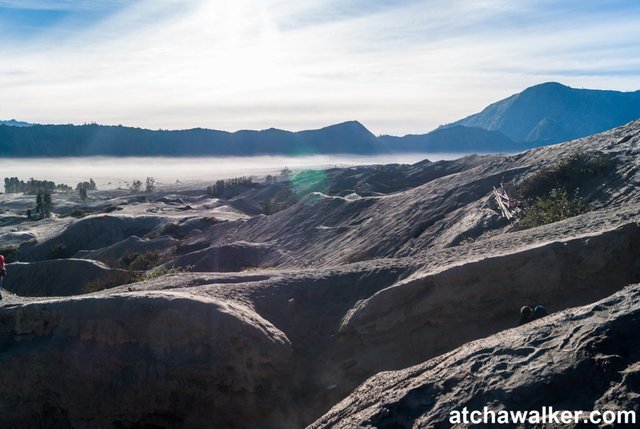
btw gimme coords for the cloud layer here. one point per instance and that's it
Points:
(399, 66)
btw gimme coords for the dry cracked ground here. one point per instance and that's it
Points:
(381, 296)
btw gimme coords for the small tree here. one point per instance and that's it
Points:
(151, 184)
(84, 187)
(39, 204)
(43, 204)
(136, 185)
(82, 191)
(48, 203)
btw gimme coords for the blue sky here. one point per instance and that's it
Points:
(398, 66)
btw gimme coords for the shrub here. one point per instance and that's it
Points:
(150, 184)
(8, 251)
(552, 193)
(140, 261)
(59, 251)
(136, 185)
(105, 283)
(174, 230)
(78, 214)
(569, 174)
(149, 275)
(553, 207)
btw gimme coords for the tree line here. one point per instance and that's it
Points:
(13, 185)
(219, 188)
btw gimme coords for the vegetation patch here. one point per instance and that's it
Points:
(8, 251)
(231, 187)
(60, 251)
(106, 283)
(553, 207)
(140, 261)
(149, 275)
(568, 174)
(175, 231)
(553, 193)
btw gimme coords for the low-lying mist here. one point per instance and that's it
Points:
(111, 173)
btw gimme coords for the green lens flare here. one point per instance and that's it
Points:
(306, 181)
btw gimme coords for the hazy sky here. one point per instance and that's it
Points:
(398, 66)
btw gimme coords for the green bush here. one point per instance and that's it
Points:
(568, 174)
(141, 277)
(553, 207)
(552, 193)
(140, 261)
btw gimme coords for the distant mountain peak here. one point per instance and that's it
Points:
(348, 125)
(548, 85)
(349, 128)
(552, 112)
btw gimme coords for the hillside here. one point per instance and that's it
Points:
(91, 140)
(521, 369)
(462, 139)
(552, 113)
(189, 310)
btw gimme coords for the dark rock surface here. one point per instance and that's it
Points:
(585, 358)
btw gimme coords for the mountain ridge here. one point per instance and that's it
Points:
(14, 123)
(540, 115)
(551, 112)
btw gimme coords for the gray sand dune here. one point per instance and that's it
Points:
(372, 269)
(133, 245)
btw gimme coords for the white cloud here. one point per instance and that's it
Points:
(235, 64)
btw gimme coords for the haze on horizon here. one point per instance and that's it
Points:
(398, 66)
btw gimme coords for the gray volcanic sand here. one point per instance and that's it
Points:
(249, 320)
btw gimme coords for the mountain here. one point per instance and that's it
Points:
(538, 116)
(14, 123)
(552, 113)
(457, 138)
(89, 140)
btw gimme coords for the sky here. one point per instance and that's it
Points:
(397, 66)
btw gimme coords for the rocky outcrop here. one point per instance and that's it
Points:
(586, 358)
(139, 360)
